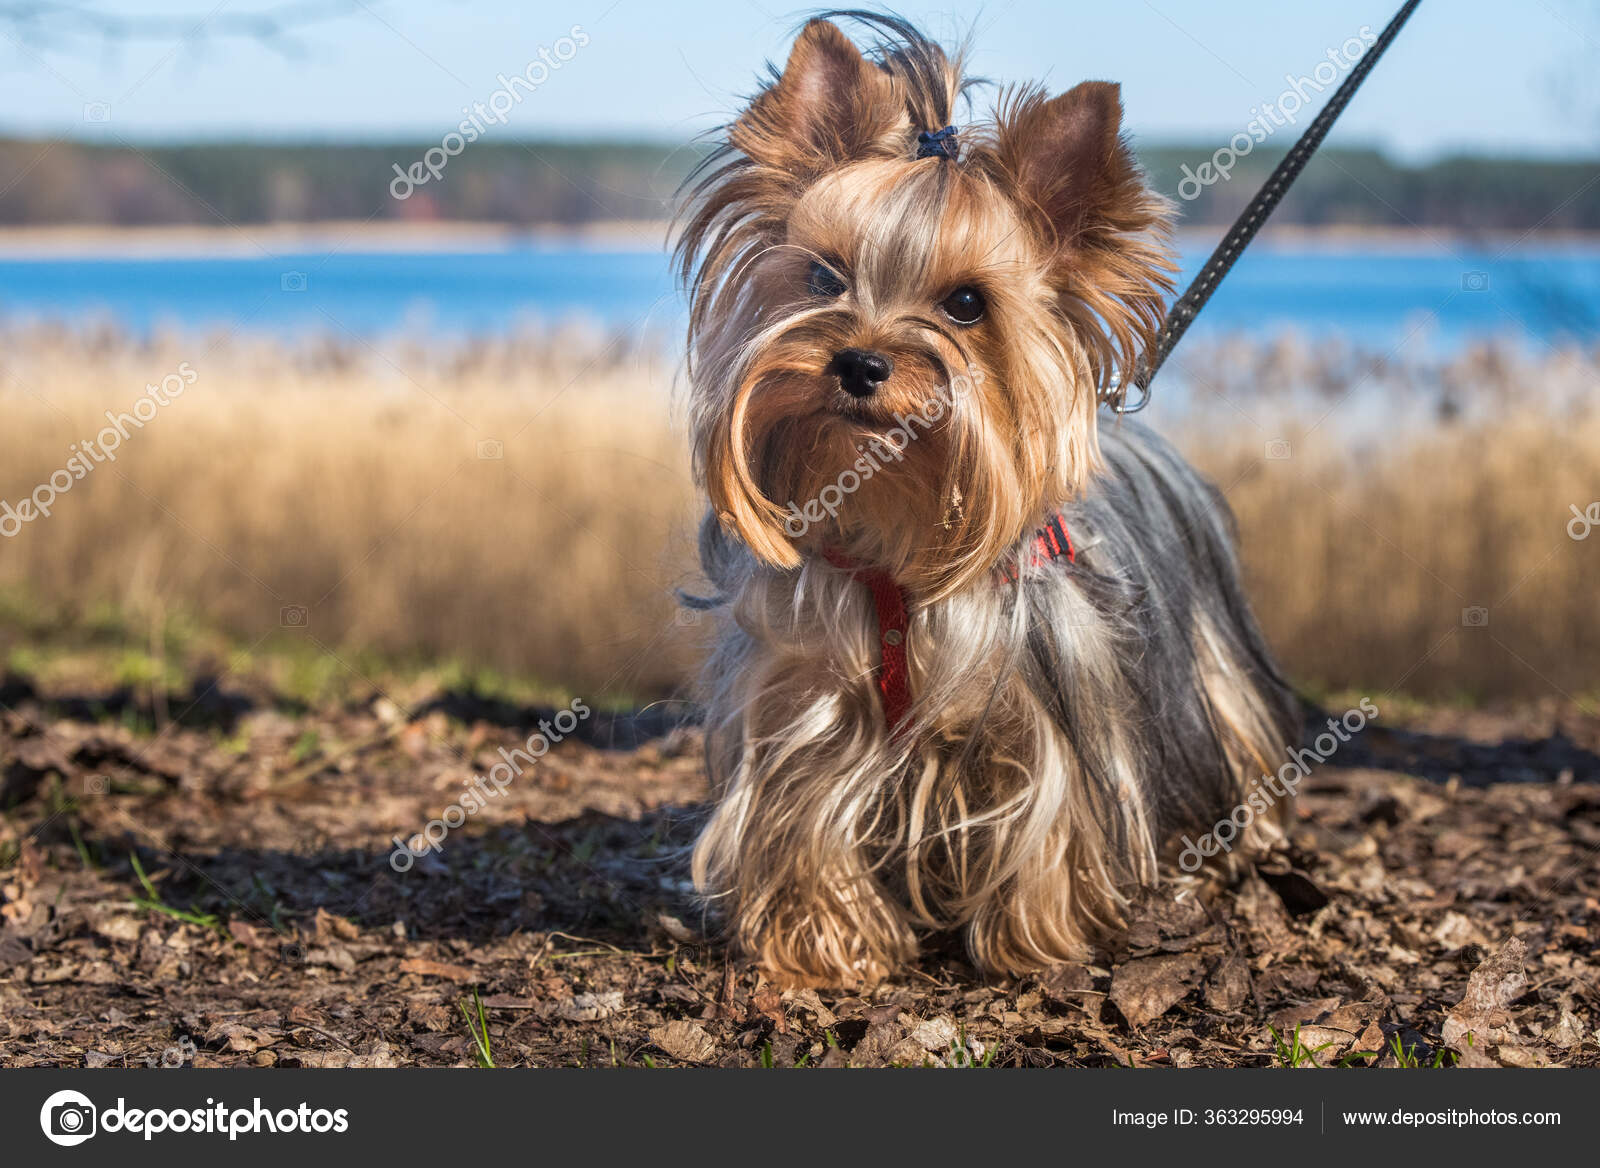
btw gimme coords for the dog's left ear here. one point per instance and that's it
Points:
(1067, 159)
(1108, 234)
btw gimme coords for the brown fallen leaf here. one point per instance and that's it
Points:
(428, 968)
(435, 1019)
(1519, 1056)
(1372, 1039)
(237, 1037)
(328, 925)
(335, 956)
(1265, 918)
(1149, 987)
(936, 1034)
(808, 999)
(1228, 987)
(1356, 1016)
(378, 1056)
(675, 928)
(1476, 1056)
(1159, 920)
(118, 928)
(880, 1045)
(589, 1007)
(1567, 1032)
(685, 1040)
(1070, 984)
(1326, 1043)
(1457, 931)
(14, 950)
(1483, 1012)
(768, 1003)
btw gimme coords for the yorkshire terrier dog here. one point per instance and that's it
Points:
(981, 657)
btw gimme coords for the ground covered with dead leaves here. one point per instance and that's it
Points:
(221, 893)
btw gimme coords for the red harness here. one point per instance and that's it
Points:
(1050, 542)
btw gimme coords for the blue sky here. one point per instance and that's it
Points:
(1478, 75)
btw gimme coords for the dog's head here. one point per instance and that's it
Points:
(898, 336)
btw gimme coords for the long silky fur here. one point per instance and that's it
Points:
(1071, 724)
(1068, 718)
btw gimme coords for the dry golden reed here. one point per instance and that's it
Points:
(1436, 563)
(522, 506)
(348, 480)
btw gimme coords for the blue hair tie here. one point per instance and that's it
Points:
(937, 143)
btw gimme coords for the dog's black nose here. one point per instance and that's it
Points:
(860, 371)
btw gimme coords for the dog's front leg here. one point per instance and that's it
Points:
(802, 824)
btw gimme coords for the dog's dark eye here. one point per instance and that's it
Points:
(824, 282)
(964, 306)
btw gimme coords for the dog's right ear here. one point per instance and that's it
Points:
(829, 106)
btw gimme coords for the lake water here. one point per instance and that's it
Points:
(1438, 296)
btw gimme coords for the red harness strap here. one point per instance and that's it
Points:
(1050, 542)
(894, 674)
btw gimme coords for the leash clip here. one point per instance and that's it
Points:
(1115, 397)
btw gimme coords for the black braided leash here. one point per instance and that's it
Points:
(1245, 227)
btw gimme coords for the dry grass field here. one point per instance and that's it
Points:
(523, 509)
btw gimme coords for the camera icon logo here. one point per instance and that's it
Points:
(97, 784)
(1476, 617)
(1278, 450)
(96, 111)
(1474, 281)
(68, 1118)
(292, 616)
(292, 282)
(491, 448)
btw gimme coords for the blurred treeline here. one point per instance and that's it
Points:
(571, 183)
(505, 182)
